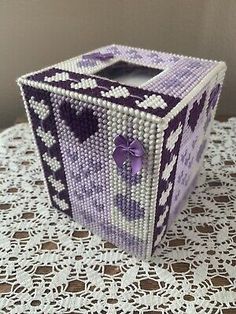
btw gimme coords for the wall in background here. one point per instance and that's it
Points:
(37, 33)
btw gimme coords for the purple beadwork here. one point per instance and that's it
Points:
(196, 111)
(128, 207)
(82, 124)
(122, 158)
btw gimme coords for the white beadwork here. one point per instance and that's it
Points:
(39, 108)
(153, 101)
(61, 203)
(84, 84)
(57, 184)
(116, 92)
(162, 217)
(173, 138)
(46, 137)
(165, 195)
(159, 236)
(168, 169)
(52, 162)
(64, 76)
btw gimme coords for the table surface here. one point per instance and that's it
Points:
(51, 264)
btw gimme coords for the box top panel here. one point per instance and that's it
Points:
(147, 80)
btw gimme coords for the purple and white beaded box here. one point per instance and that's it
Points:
(121, 134)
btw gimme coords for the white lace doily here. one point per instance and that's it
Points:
(50, 264)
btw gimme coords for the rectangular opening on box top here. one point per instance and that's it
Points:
(128, 73)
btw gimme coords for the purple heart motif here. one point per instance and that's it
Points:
(82, 124)
(129, 208)
(195, 112)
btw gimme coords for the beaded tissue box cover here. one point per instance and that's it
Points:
(121, 154)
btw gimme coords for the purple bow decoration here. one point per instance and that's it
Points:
(124, 150)
(98, 56)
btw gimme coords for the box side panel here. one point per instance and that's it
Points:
(200, 115)
(41, 118)
(108, 200)
(169, 159)
(190, 148)
(180, 170)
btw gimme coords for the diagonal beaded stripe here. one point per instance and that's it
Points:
(76, 116)
(170, 152)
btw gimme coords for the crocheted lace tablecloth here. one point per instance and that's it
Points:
(51, 264)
